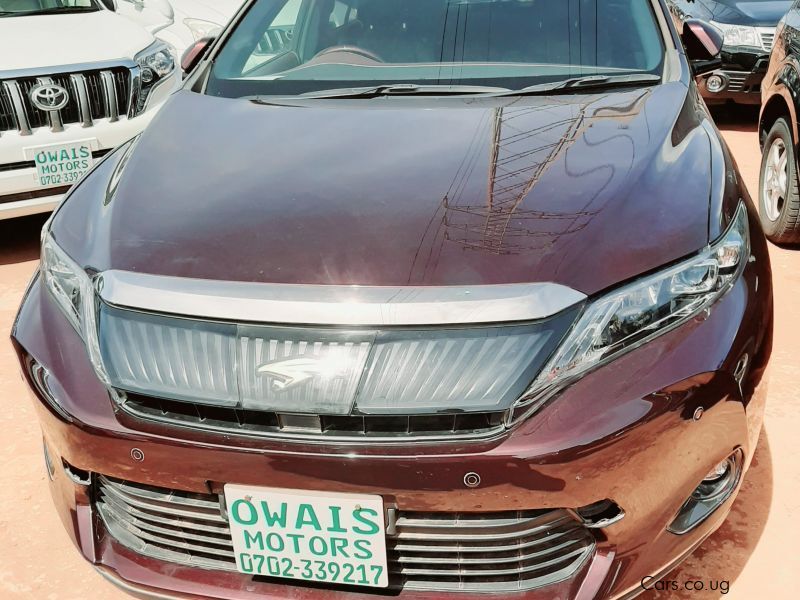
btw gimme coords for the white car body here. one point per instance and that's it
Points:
(194, 19)
(93, 58)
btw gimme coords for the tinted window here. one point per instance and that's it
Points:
(294, 46)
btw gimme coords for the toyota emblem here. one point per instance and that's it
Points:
(49, 97)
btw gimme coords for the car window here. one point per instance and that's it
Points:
(34, 6)
(276, 38)
(296, 46)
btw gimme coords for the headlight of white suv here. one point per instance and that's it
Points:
(201, 28)
(740, 35)
(156, 64)
(638, 312)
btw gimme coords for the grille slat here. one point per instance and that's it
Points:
(768, 40)
(160, 519)
(490, 531)
(515, 556)
(456, 567)
(736, 80)
(533, 548)
(521, 544)
(179, 531)
(164, 506)
(171, 541)
(17, 103)
(183, 499)
(93, 95)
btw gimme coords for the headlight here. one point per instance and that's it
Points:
(645, 309)
(740, 35)
(68, 284)
(201, 28)
(156, 63)
(73, 292)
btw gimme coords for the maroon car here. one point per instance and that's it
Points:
(407, 298)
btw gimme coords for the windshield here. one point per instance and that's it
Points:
(288, 47)
(19, 8)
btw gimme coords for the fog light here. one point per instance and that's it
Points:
(40, 380)
(715, 84)
(716, 487)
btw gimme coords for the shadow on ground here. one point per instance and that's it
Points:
(723, 556)
(734, 117)
(19, 239)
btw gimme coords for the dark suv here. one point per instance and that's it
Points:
(778, 193)
(749, 29)
(426, 298)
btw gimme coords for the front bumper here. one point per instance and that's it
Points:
(626, 432)
(742, 72)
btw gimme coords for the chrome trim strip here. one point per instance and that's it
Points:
(310, 438)
(136, 91)
(82, 95)
(133, 589)
(333, 304)
(58, 70)
(135, 83)
(110, 95)
(53, 116)
(18, 102)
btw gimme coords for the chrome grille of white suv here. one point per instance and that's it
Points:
(458, 552)
(767, 37)
(93, 95)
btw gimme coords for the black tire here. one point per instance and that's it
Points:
(780, 220)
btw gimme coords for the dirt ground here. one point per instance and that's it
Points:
(753, 556)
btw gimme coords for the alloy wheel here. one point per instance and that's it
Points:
(776, 179)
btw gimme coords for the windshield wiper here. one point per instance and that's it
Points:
(413, 89)
(404, 89)
(590, 82)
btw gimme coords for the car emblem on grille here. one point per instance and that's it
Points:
(49, 97)
(290, 373)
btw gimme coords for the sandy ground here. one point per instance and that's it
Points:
(753, 555)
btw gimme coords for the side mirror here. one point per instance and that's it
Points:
(195, 53)
(110, 4)
(703, 43)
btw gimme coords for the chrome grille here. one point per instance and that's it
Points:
(498, 552)
(736, 80)
(93, 95)
(767, 38)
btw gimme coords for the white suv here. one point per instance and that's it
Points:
(76, 80)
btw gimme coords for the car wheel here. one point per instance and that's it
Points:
(779, 198)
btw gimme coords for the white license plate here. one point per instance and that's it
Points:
(61, 164)
(325, 537)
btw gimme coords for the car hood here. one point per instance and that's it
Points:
(216, 11)
(35, 41)
(583, 190)
(764, 13)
